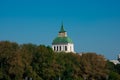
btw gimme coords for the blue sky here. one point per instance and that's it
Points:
(93, 25)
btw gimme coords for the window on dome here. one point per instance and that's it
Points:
(57, 48)
(60, 48)
(65, 48)
(54, 48)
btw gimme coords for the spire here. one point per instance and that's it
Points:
(62, 29)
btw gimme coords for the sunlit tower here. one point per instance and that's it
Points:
(62, 43)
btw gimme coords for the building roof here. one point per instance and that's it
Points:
(62, 29)
(115, 62)
(62, 40)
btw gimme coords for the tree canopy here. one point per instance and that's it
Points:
(40, 62)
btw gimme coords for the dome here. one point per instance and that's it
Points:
(62, 40)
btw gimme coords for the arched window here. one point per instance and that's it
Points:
(65, 48)
(57, 48)
(60, 48)
(54, 48)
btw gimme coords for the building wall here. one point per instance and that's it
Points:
(62, 34)
(63, 47)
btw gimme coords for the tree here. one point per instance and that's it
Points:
(92, 68)
(10, 60)
(117, 68)
(27, 51)
(69, 66)
(113, 76)
(40, 63)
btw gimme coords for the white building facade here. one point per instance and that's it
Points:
(62, 43)
(116, 61)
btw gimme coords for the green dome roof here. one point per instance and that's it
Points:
(62, 40)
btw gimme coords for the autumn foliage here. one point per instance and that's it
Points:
(39, 62)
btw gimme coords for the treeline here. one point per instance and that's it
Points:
(39, 62)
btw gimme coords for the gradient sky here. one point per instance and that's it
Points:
(93, 25)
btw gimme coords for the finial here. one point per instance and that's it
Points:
(62, 28)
